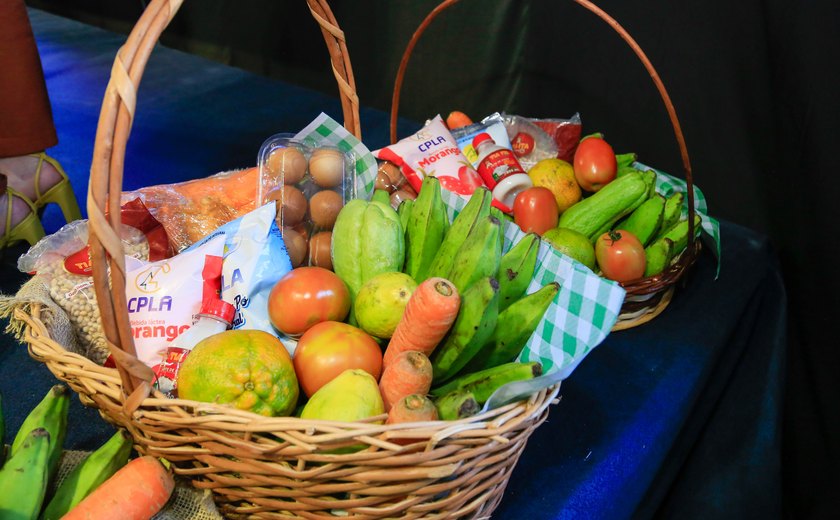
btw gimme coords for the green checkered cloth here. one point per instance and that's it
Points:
(587, 305)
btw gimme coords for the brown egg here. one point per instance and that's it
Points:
(399, 196)
(319, 250)
(394, 174)
(287, 164)
(324, 207)
(326, 166)
(291, 205)
(296, 246)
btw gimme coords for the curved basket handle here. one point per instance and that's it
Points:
(651, 284)
(106, 174)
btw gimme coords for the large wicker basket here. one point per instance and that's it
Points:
(645, 298)
(256, 466)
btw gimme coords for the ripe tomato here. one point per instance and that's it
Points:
(620, 256)
(306, 296)
(594, 163)
(331, 347)
(535, 209)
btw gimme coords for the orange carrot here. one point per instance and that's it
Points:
(138, 491)
(457, 119)
(412, 408)
(410, 373)
(428, 315)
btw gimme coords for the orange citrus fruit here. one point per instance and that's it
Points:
(248, 369)
(558, 176)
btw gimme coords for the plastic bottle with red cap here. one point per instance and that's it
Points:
(500, 169)
(215, 316)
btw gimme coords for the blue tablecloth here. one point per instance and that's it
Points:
(676, 418)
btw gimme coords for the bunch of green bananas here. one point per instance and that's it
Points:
(34, 458)
(631, 203)
(496, 318)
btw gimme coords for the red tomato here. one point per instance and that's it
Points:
(535, 209)
(331, 347)
(594, 163)
(306, 296)
(620, 256)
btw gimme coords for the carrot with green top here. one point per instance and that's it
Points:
(429, 314)
(409, 373)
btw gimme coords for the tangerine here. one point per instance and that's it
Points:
(248, 369)
(558, 176)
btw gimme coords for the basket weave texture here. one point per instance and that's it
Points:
(646, 297)
(260, 467)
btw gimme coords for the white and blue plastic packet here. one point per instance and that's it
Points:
(255, 258)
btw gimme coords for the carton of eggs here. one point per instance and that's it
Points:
(310, 183)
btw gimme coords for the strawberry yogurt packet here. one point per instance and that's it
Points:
(433, 151)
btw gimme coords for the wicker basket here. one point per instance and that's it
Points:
(647, 297)
(256, 466)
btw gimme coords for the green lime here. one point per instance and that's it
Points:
(573, 244)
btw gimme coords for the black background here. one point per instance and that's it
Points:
(754, 83)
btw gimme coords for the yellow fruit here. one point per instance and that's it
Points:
(248, 369)
(558, 176)
(573, 244)
(381, 301)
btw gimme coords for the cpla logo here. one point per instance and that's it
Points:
(149, 280)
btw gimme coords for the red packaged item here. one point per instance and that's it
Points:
(566, 133)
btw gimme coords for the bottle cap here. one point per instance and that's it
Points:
(480, 138)
(218, 308)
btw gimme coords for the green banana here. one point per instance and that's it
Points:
(679, 234)
(51, 414)
(597, 213)
(456, 405)
(476, 208)
(514, 327)
(479, 255)
(367, 240)
(516, 268)
(427, 225)
(671, 212)
(645, 220)
(404, 211)
(95, 469)
(483, 383)
(658, 256)
(476, 320)
(625, 159)
(24, 477)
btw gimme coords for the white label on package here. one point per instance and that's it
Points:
(164, 296)
(255, 259)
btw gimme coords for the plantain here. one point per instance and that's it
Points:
(426, 227)
(404, 211)
(483, 383)
(597, 213)
(645, 220)
(658, 256)
(456, 405)
(95, 469)
(514, 327)
(516, 268)
(671, 212)
(476, 208)
(50, 414)
(679, 234)
(473, 326)
(479, 256)
(24, 477)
